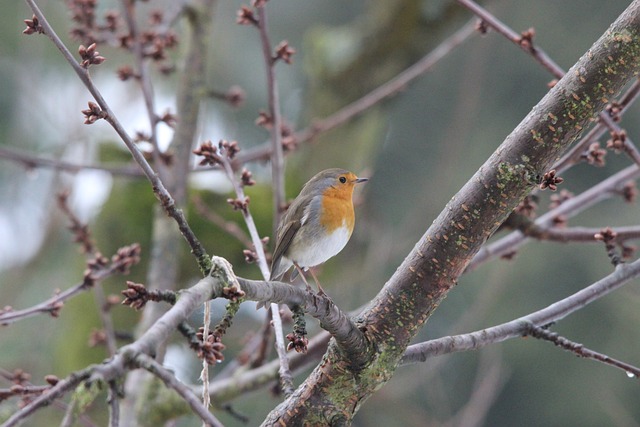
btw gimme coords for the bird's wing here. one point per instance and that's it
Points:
(293, 219)
(285, 237)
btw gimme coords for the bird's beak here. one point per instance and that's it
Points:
(359, 180)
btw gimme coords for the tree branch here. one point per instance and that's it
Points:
(277, 157)
(525, 42)
(522, 326)
(148, 363)
(166, 200)
(431, 269)
(580, 350)
(569, 208)
(31, 161)
(387, 90)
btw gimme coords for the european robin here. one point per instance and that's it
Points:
(318, 223)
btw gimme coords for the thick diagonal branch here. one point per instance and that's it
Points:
(431, 269)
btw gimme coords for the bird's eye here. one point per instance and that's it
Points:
(343, 179)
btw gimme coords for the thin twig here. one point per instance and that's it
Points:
(285, 372)
(377, 95)
(573, 155)
(580, 234)
(277, 157)
(129, 8)
(527, 45)
(114, 404)
(580, 350)
(204, 375)
(32, 161)
(57, 391)
(571, 207)
(623, 274)
(493, 22)
(105, 319)
(158, 187)
(278, 186)
(83, 238)
(230, 227)
(146, 362)
(55, 303)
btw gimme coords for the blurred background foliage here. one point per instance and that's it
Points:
(418, 148)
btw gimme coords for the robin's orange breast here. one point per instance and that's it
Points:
(337, 210)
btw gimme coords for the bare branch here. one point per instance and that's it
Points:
(581, 351)
(114, 404)
(525, 42)
(285, 372)
(32, 161)
(277, 157)
(433, 266)
(146, 362)
(54, 304)
(159, 189)
(571, 207)
(129, 8)
(392, 87)
(521, 326)
(46, 399)
(351, 341)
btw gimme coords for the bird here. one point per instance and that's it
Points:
(317, 225)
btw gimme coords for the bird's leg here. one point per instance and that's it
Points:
(304, 279)
(320, 290)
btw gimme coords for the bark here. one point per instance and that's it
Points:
(334, 391)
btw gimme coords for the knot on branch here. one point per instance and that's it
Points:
(240, 204)
(614, 109)
(223, 271)
(97, 337)
(482, 27)
(297, 342)
(95, 265)
(247, 178)
(55, 308)
(126, 72)
(289, 141)
(136, 295)
(235, 96)
(232, 293)
(606, 235)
